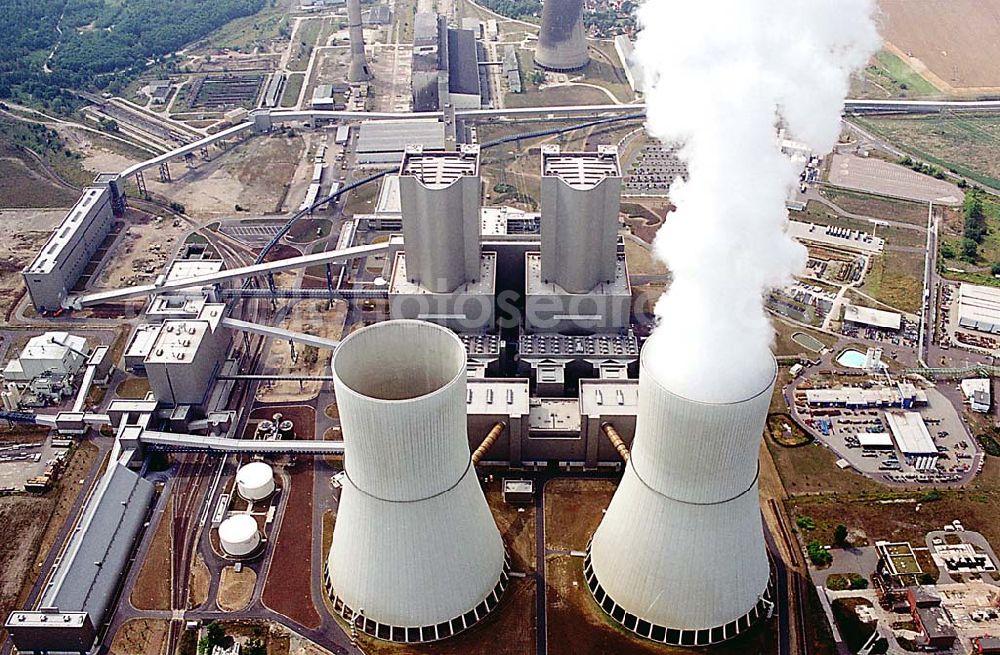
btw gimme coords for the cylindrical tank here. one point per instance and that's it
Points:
(415, 546)
(239, 535)
(562, 41)
(286, 430)
(264, 430)
(679, 556)
(255, 481)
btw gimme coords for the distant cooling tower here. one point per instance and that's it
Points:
(359, 71)
(562, 42)
(415, 549)
(679, 556)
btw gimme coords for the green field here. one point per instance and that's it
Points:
(305, 40)
(293, 87)
(244, 34)
(967, 144)
(887, 76)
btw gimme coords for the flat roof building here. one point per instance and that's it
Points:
(186, 356)
(61, 261)
(910, 433)
(876, 318)
(385, 142)
(979, 308)
(58, 353)
(463, 70)
(979, 394)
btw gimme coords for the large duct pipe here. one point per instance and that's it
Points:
(616, 440)
(491, 438)
(415, 546)
(358, 71)
(562, 41)
(687, 513)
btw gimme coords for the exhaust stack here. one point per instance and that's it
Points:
(416, 555)
(679, 556)
(359, 71)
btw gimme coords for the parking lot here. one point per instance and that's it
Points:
(883, 178)
(906, 336)
(253, 234)
(657, 168)
(956, 450)
(951, 335)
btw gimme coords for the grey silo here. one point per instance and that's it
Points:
(562, 41)
(581, 198)
(440, 200)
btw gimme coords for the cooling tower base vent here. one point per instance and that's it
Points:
(674, 636)
(425, 633)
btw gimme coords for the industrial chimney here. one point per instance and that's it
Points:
(416, 555)
(679, 556)
(562, 42)
(359, 65)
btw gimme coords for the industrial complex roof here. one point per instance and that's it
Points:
(183, 269)
(873, 317)
(581, 170)
(609, 397)
(910, 433)
(89, 201)
(507, 397)
(535, 285)
(390, 137)
(463, 62)
(486, 285)
(979, 308)
(438, 170)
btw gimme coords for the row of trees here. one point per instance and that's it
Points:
(514, 8)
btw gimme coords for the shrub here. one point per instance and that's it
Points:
(931, 497)
(818, 554)
(805, 523)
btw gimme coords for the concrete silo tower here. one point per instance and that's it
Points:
(359, 71)
(416, 555)
(440, 210)
(581, 198)
(679, 556)
(562, 42)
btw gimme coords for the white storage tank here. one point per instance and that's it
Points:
(255, 481)
(239, 535)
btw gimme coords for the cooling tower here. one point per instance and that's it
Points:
(415, 548)
(562, 42)
(679, 556)
(441, 197)
(581, 198)
(359, 65)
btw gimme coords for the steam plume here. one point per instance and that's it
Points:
(720, 75)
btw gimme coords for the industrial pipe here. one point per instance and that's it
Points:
(616, 440)
(491, 438)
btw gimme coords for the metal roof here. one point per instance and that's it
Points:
(873, 317)
(910, 433)
(394, 136)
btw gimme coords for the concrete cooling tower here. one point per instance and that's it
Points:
(679, 556)
(415, 549)
(562, 42)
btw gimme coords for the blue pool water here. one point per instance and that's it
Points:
(852, 359)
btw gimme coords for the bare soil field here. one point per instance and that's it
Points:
(573, 510)
(24, 519)
(641, 260)
(140, 637)
(152, 587)
(236, 589)
(517, 527)
(22, 185)
(287, 589)
(16, 251)
(950, 42)
(146, 245)
(311, 317)
(201, 578)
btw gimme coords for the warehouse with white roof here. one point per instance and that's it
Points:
(979, 308)
(910, 434)
(873, 317)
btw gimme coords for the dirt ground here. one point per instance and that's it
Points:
(200, 580)
(236, 589)
(22, 185)
(311, 317)
(573, 510)
(951, 42)
(152, 587)
(24, 519)
(140, 637)
(287, 589)
(516, 527)
(145, 246)
(17, 250)
(641, 260)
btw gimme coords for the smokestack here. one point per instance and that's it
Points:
(415, 546)
(359, 65)
(679, 556)
(562, 42)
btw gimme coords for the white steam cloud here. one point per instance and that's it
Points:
(720, 76)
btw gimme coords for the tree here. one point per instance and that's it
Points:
(840, 535)
(819, 555)
(215, 635)
(970, 250)
(948, 250)
(253, 646)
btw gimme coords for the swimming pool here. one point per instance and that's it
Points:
(852, 359)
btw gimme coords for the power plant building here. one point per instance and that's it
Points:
(186, 356)
(579, 280)
(679, 556)
(464, 83)
(415, 546)
(562, 41)
(442, 275)
(61, 261)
